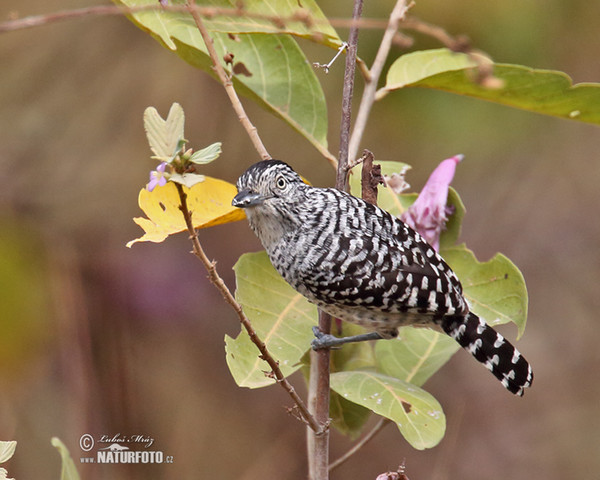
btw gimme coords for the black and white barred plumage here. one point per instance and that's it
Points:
(358, 263)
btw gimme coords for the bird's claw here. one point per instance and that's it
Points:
(323, 340)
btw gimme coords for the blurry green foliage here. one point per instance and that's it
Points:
(24, 297)
(541, 91)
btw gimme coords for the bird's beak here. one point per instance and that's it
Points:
(247, 198)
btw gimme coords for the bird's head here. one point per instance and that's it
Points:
(266, 182)
(272, 194)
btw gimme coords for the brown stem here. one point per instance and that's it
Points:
(368, 97)
(227, 83)
(218, 282)
(318, 401)
(458, 44)
(341, 181)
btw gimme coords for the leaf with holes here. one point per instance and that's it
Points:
(548, 92)
(281, 317)
(275, 72)
(208, 201)
(417, 414)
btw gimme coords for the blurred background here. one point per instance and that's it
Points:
(100, 339)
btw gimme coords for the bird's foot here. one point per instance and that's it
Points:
(324, 340)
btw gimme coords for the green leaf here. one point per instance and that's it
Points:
(413, 67)
(548, 92)
(415, 355)
(206, 155)
(281, 317)
(279, 77)
(187, 179)
(7, 450)
(164, 135)
(450, 235)
(347, 417)
(319, 30)
(495, 289)
(68, 471)
(418, 415)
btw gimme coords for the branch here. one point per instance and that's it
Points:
(363, 441)
(341, 181)
(459, 43)
(227, 83)
(304, 17)
(218, 282)
(368, 97)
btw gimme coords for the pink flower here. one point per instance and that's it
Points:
(157, 177)
(429, 213)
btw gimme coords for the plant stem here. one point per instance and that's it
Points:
(227, 83)
(318, 403)
(341, 181)
(319, 387)
(218, 282)
(368, 97)
(363, 441)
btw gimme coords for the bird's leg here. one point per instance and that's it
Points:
(324, 340)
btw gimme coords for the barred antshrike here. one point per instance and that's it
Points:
(360, 264)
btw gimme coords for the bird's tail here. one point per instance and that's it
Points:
(491, 349)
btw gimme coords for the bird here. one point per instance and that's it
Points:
(360, 264)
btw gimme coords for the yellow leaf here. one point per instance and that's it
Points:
(208, 201)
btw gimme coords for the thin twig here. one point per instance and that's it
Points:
(327, 66)
(279, 22)
(360, 444)
(459, 43)
(218, 282)
(368, 97)
(341, 180)
(227, 83)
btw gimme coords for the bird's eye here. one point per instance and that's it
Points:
(280, 182)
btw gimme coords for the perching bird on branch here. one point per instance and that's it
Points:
(360, 264)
